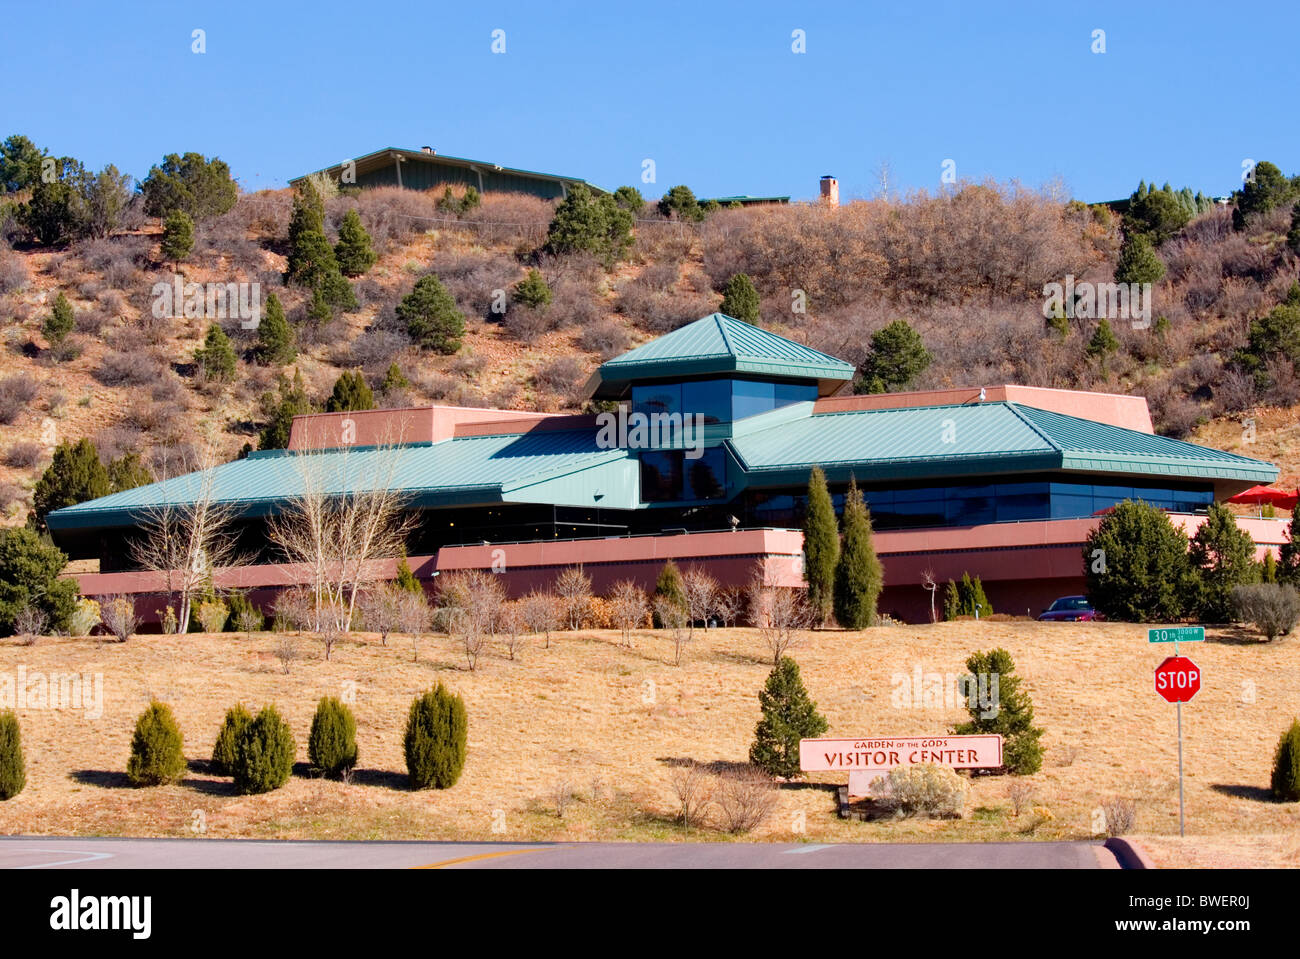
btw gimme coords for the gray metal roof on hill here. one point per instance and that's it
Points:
(719, 344)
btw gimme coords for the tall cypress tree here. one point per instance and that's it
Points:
(671, 587)
(821, 546)
(274, 336)
(858, 575)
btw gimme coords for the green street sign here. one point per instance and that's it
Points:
(1176, 634)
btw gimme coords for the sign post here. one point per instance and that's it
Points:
(1178, 679)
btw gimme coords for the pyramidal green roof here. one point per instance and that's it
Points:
(719, 344)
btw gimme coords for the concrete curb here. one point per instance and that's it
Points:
(1129, 853)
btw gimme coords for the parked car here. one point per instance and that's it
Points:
(1069, 609)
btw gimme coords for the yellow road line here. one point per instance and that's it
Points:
(482, 855)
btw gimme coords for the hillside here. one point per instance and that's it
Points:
(966, 269)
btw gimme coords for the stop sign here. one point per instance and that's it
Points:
(1178, 679)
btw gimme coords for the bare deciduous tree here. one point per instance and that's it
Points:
(414, 619)
(287, 652)
(511, 622)
(673, 618)
(928, 581)
(187, 539)
(701, 592)
(30, 624)
(541, 611)
(348, 514)
(628, 607)
(573, 587)
(382, 609)
(119, 616)
(780, 614)
(471, 602)
(730, 603)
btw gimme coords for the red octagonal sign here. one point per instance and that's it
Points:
(1178, 679)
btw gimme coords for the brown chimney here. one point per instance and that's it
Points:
(830, 190)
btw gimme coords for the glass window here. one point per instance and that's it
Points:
(749, 397)
(787, 393)
(708, 474)
(712, 398)
(661, 477)
(663, 398)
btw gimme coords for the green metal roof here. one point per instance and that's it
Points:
(982, 438)
(719, 344)
(472, 469)
(382, 155)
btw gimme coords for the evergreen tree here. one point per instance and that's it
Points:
(351, 393)
(50, 214)
(859, 576)
(225, 751)
(630, 199)
(1103, 342)
(1158, 213)
(216, 357)
(353, 250)
(332, 744)
(1293, 234)
(75, 474)
(275, 339)
(1137, 566)
(431, 317)
(789, 714)
(178, 237)
(821, 546)
(437, 730)
(1288, 556)
(671, 587)
(1138, 262)
(1265, 190)
(60, 322)
(30, 568)
(595, 224)
(127, 472)
(740, 299)
(292, 401)
(394, 379)
(20, 163)
(681, 203)
(193, 184)
(1223, 555)
(13, 768)
(533, 290)
(1012, 711)
(898, 356)
(311, 260)
(1268, 568)
(406, 579)
(1276, 333)
(264, 756)
(1285, 781)
(157, 748)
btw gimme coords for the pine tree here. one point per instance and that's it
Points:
(74, 475)
(275, 339)
(898, 356)
(394, 379)
(292, 401)
(128, 472)
(1224, 557)
(60, 322)
(1137, 567)
(740, 299)
(1103, 342)
(671, 587)
(264, 756)
(30, 576)
(431, 317)
(178, 237)
(1012, 711)
(406, 579)
(789, 714)
(533, 290)
(217, 357)
(311, 260)
(595, 224)
(859, 576)
(353, 251)
(821, 546)
(1138, 262)
(351, 393)
(680, 202)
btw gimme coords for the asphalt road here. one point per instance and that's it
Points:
(70, 853)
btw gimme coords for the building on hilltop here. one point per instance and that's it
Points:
(1003, 482)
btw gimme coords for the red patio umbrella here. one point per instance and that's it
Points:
(1259, 495)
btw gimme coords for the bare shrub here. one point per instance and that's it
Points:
(1021, 793)
(16, 395)
(730, 603)
(573, 587)
(563, 375)
(542, 613)
(24, 455)
(511, 623)
(780, 614)
(287, 651)
(30, 623)
(295, 609)
(11, 493)
(1065, 754)
(471, 601)
(118, 616)
(13, 271)
(928, 789)
(701, 592)
(694, 789)
(673, 618)
(382, 609)
(1121, 815)
(128, 369)
(1274, 609)
(525, 323)
(628, 608)
(562, 793)
(605, 337)
(745, 799)
(373, 350)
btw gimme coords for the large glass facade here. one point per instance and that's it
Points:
(719, 400)
(973, 505)
(667, 476)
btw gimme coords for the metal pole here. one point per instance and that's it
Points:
(1181, 830)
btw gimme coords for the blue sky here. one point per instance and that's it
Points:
(712, 92)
